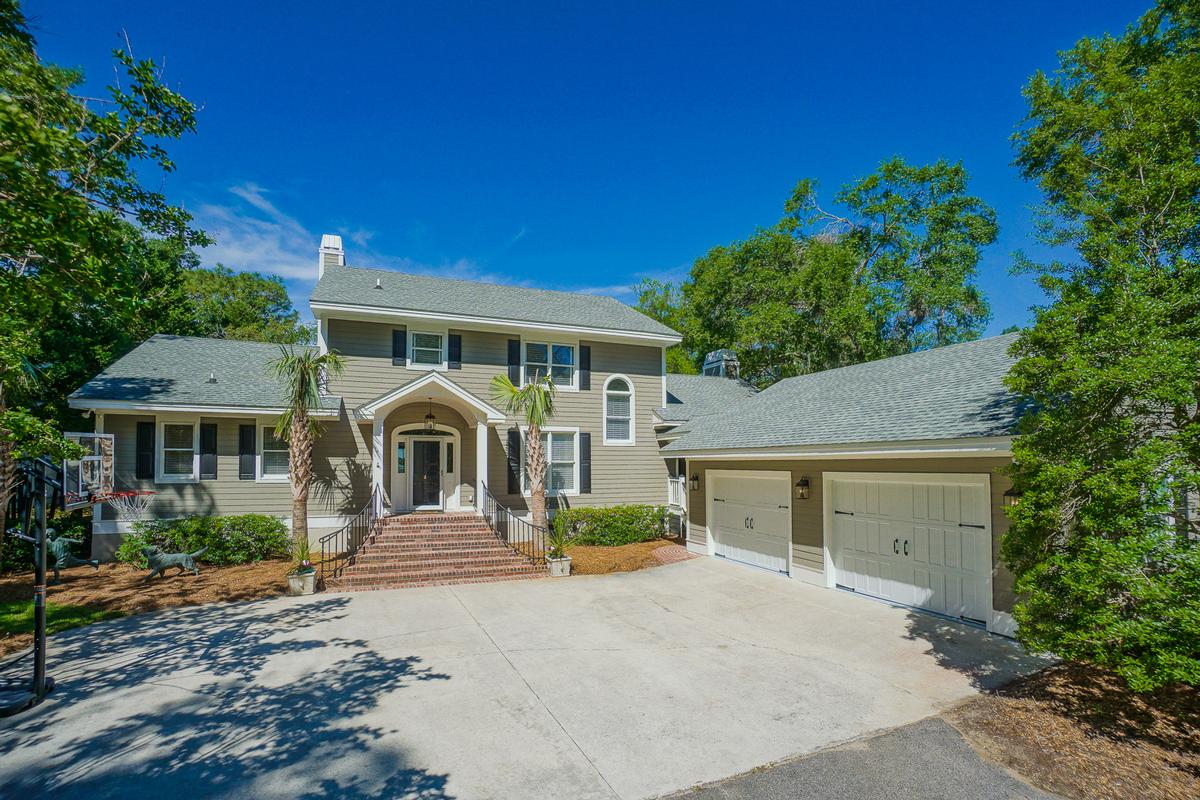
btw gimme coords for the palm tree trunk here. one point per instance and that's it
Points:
(301, 468)
(536, 464)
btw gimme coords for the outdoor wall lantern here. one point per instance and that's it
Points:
(1011, 497)
(430, 419)
(802, 487)
(695, 482)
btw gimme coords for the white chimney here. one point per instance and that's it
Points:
(331, 254)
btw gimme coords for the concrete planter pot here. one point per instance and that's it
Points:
(559, 567)
(304, 583)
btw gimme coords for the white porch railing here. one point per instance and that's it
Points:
(677, 492)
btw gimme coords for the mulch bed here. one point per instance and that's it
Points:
(119, 587)
(600, 560)
(1078, 731)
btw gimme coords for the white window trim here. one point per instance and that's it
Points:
(160, 441)
(259, 438)
(444, 333)
(575, 479)
(550, 343)
(632, 440)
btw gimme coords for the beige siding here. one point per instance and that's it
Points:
(808, 517)
(341, 485)
(620, 474)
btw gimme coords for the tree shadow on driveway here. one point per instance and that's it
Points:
(222, 700)
(987, 659)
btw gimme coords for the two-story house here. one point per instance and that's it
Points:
(411, 418)
(887, 478)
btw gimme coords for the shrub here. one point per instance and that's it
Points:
(612, 526)
(18, 554)
(230, 540)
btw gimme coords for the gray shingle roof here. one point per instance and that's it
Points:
(949, 392)
(174, 370)
(398, 290)
(690, 396)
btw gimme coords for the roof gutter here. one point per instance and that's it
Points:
(999, 446)
(134, 405)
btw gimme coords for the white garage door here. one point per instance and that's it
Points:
(923, 541)
(750, 517)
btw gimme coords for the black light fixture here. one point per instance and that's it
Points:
(430, 419)
(1011, 497)
(802, 489)
(695, 482)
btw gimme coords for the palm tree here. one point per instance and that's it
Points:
(533, 402)
(302, 372)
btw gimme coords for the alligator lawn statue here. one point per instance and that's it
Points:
(159, 562)
(59, 555)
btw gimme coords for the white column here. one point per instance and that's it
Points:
(377, 454)
(481, 462)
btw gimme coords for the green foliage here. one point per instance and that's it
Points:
(91, 259)
(893, 271)
(17, 616)
(230, 540)
(301, 370)
(613, 525)
(244, 305)
(1104, 542)
(32, 437)
(556, 541)
(17, 555)
(533, 403)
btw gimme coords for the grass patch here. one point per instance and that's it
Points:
(16, 617)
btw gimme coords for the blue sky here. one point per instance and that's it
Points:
(577, 146)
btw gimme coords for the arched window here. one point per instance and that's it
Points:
(618, 410)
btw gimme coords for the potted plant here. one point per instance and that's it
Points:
(556, 551)
(303, 577)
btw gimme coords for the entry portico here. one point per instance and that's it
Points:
(428, 462)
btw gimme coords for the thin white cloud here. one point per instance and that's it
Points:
(253, 233)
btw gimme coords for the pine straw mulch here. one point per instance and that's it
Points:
(1079, 732)
(119, 587)
(599, 559)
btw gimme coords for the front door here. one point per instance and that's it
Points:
(427, 473)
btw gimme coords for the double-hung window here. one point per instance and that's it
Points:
(177, 459)
(426, 350)
(555, 360)
(618, 411)
(275, 456)
(562, 462)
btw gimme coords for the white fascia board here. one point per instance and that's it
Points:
(467, 322)
(1000, 447)
(133, 405)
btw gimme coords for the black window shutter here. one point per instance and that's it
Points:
(208, 451)
(247, 446)
(514, 361)
(144, 467)
(585, 366)
(514, 461)
(400, 346)
(455, 348)
(585, 463)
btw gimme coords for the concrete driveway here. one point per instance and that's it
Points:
(629, 686)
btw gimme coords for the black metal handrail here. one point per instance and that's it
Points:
(339, 547)
(521, 535)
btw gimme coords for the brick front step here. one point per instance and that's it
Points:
(497, 560)
(401, 553)
(336, 585)
(432, 550)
